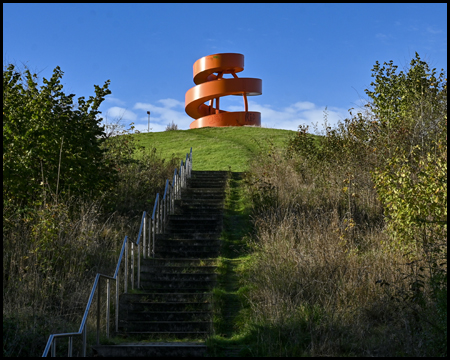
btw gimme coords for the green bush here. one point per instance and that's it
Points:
(48, 141)
(354, 224)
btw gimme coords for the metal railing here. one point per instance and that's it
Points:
(163, 207)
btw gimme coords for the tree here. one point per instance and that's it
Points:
(408, 107)
(410, 173)
(48, 141)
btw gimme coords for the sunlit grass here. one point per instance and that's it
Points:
(226, 148)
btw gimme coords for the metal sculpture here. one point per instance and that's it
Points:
(208, 76)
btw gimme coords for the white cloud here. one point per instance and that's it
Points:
(161, 116)
(116, 112)
(433, 30)
(289, 118)
(114, 100)
(301, 105)
(170, 103)
(302, 112)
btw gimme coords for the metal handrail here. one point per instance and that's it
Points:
(51, 343)
(156, 225)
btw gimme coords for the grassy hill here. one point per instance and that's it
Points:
(216, 148)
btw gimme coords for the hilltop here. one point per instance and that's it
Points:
(216, 148)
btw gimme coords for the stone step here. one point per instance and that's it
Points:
(193, 221)
(209, 173)
(196, 229)
(164, 335)
(159, 349)
(173, 297)
(193, 210)
(165, 306)
(167, 283)
(199, 254)
(148, 315)
(177, 269)
(212, 187)
(189, 196)
(195, 217)
(173, 240)
(208, 185)
(199, 203)
(176, 288)
(204, 187)
(197, 197)
(180, 261)
(187, 249)
(187, 245)
(187, 236)
(163, 326)
(179, 277)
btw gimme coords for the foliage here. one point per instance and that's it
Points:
(359, 218)
(411, 173)
(171, 127)
(408, 107)
(415, 197)
(47, 140)
(72, 191)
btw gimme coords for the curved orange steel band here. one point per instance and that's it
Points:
(211, 86)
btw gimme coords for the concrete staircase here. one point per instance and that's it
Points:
(172, 314)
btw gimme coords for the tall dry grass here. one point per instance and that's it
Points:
(321, 282)
(52, 252)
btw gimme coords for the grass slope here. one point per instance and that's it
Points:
(216, 148)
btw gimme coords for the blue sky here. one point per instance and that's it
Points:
(308, 55)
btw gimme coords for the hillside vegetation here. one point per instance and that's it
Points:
(348, 252)
(333, 245)
(227, 148)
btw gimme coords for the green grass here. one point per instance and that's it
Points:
(231, 338)
(225, 148)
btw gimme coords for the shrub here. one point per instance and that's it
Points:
(71, 194)
(172, 126)
(49, 140)
(349, 249)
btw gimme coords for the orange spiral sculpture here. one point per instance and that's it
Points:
(211, 86)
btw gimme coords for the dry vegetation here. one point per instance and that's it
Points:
(52, 253)
(345, 261)
(318, 268)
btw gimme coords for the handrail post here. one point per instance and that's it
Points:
(117, 303)
(190, 174)
(174, 190)
(163, 218)
(179, 184)
(125, 275)
(84, 341)
(171, 199)
(139, 265)
(108, 298)
(165, 213)
(149, 236)
(132, 265)
(161, 206)
(98, 310)
(181, 176)
(54, 347)
(153, 237)
(157, 217)
(144, 243)
(69, 354)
